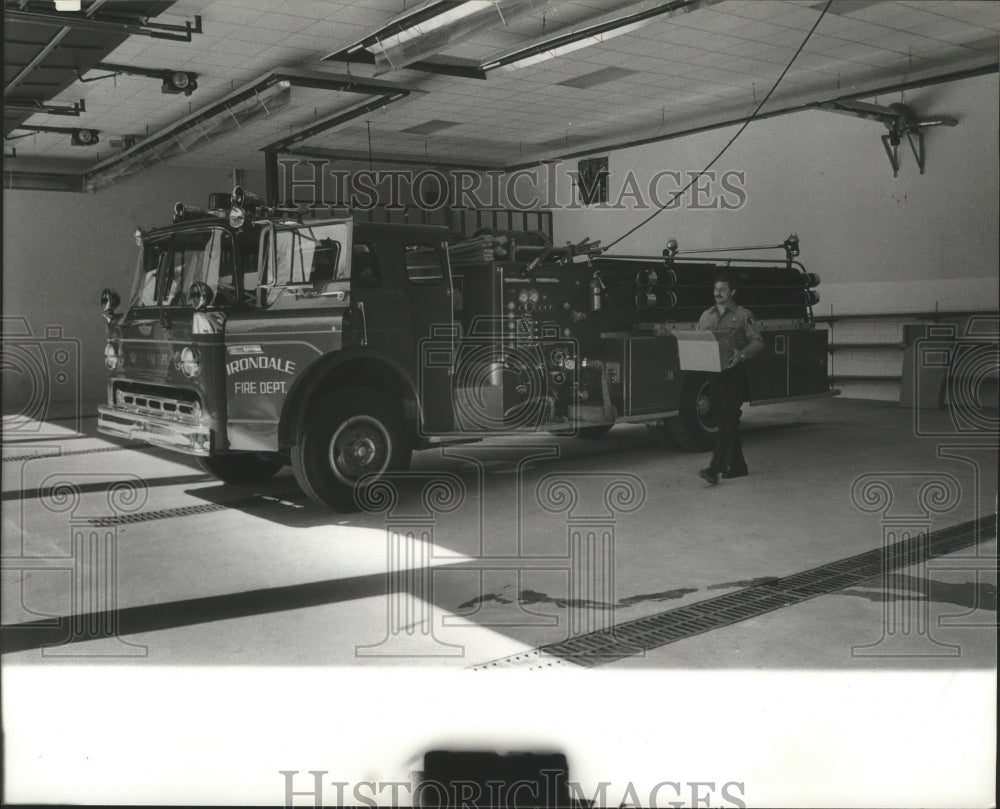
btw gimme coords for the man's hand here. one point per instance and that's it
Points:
(735, 359)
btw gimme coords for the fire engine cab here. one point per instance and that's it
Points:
(253, 339)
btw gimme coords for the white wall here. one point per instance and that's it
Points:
(879, 243)
(60, 249)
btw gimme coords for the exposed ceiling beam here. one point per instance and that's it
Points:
(32, 106)
(576, 38)
(333, 120)
(113, 25)
(442, 66)
(61, 46)
(50, 46)
(394, 158)
(407, 20)
(296, 77)
(41, 181)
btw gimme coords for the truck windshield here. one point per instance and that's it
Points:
(169, 264)
(308, 255)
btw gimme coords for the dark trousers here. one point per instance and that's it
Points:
(728, 454)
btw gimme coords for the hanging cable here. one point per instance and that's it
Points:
(369, 145)
(732, 140)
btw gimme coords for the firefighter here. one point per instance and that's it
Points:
(728, 316)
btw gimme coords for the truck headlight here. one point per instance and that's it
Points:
(111, 357)
(190, 361)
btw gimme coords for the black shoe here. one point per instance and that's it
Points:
(709, 475)
(736, 473)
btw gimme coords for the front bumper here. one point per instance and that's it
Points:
(191, 438)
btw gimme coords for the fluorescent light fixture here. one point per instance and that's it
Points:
(569, 47)
(595, 34)
(68, 5)
(449, 17)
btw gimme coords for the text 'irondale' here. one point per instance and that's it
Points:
(262, 363)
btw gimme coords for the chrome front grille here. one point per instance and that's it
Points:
(149, 404)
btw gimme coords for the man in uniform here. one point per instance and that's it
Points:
(727, 316)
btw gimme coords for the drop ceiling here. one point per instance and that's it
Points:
(675, 73)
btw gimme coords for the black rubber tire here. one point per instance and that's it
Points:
(240, 468)
(694, 429)
(340, 420)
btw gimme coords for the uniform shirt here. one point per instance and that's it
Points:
(739, 321)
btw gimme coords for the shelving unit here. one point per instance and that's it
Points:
(867, 350)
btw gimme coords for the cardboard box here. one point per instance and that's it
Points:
(704, 350)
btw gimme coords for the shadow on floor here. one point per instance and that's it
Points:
(974, 595)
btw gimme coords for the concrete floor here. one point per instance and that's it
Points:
(203, 575)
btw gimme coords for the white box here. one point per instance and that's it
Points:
(704, 350)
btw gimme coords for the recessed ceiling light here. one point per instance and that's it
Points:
(68, 5)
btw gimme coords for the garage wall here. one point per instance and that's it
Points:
(59, 251)
(880, 244)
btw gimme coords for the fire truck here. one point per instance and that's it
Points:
(254, 338)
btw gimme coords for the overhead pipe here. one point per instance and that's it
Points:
(129, 27)
(263, 95)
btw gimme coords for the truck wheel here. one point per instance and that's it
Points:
(244, 467)
(348, 434)
(695, 427)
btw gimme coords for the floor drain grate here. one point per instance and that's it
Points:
(169, 513)
(66, 454)
(652, 631)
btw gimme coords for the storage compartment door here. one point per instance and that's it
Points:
(807, 363)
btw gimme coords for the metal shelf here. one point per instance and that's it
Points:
(939, 315)
(838, 346)
(866, 377)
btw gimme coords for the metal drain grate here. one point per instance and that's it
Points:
(653, 631)
(169, 513)
(66, 454)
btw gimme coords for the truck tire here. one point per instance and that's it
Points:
(695, 428)
(348, 434)
(240, 468)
